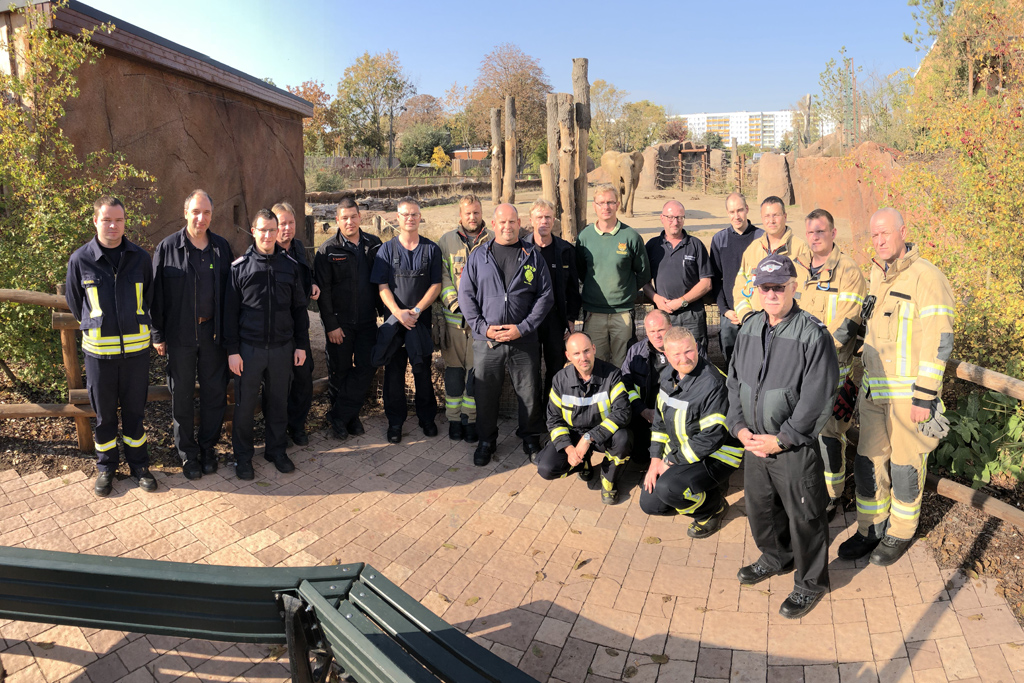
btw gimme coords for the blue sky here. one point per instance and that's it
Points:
(686, 56)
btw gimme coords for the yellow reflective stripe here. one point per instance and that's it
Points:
(634, 396)
(619, 388)
(104, 447)
(698, 500)
(617, 461)
(603, 409)
(659, 437)
(138, 298)
(559, 431)
(835, 477)
(451, 402)
(448, 290)
(870, 506)
(469, 402)
(905, 510)
(906, 339)
(929, 311)
(890, 387)
(851, 297)
(712, 420)
(609, 425)
(844, 372)
(729, 455)
(932, 370)
(684, 446)
(555, 398)
(134, 443)
(567, 416)
(93, 295)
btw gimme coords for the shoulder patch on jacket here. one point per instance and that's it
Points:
(238, 260)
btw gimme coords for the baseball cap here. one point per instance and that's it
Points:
(774, 270)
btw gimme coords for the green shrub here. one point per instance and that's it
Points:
(986, 438)
(324, 180)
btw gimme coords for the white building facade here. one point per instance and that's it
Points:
(758, 128)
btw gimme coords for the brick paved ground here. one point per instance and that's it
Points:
(541, 573)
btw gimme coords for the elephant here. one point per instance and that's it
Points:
(623, 171)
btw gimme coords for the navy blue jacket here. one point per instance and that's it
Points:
(565, 280)
(485, 301)
(265, 305)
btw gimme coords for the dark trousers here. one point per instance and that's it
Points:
(553, 463)
(551, 335)
(727, 332)
(695, 320)
(785, 498)
(692, 489)
(641, 431)
(300, 396)
(114, 382)
(206, 363)
(271, 369)
(394, 390)
(350, 372)
(523, 364)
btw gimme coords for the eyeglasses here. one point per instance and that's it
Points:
(407, 216)
(673, 219)
(606, 204)
(778, 289)
(266, 231)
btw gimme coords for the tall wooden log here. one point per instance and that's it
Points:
(581, 93)
(73, 372)
(497, 156)
(567, 164)
(508, 193)
(22, 296)
(548, 183)
(552, 106)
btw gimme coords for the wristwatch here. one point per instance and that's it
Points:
(684, 304)
(586, 437)
(416, 310)
(781, 445)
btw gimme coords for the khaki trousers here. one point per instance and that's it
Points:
(889, 470)
(832, 441)
(611, 333)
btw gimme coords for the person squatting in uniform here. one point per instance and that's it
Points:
(349, 306)
(109, 289)
(681, 274)
(692, 453)
(266, 332)
(641, 372)
(782, 383)
(560, 257)
(191, 277)
(834, 294)
(907, 341)
(408, 272)
(588, 409)
(505, 294)
(451, 334)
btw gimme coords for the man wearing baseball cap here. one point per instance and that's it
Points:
(782, 384)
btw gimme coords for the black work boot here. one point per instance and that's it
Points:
(471, 435)
(484, 451)
(857, 546)
(757, 572)
(455, 431)
(798, 604)
(889, 550)
(104, 484)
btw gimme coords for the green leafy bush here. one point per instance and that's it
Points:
(986, 438)
(419, 141)
(324, 180)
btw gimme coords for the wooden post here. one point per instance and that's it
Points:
(508, 194)
(706, 157)
(566, 164)
(552, 196)
(497, 156)
(581, 93)
(736, 170)
(73, 372)
(679, 168)
(548, 183)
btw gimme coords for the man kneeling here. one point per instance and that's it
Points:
(588, 408)
(691, 450)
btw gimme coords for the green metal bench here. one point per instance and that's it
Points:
(346, 618)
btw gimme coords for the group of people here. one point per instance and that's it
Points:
(505, 299)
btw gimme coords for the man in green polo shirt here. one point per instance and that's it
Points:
(613, 266)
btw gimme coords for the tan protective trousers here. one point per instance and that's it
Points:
(458, 364)
(889, 470)
(832, 441)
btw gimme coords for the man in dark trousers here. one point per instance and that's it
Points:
(692, 454)
(641, 371)
(348, 311)
(727, 247)
(191, 274)
(560, 256)
(266, 331)
(300, 396)
(588, 409)
(108, 290)
(407, 271)
(506, 294)
(782, 382)
(680, 274)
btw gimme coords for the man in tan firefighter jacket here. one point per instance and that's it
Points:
(452, 335)
(588, 409)
(908, 338)
(692, 452)
(833, 293)
(777, 239)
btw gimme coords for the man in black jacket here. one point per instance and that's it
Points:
(191, 271)
(782, 383)
(266, 332)
(300, 396)
(641, 371)
(727, 247)
(348, 310)
(560, 257)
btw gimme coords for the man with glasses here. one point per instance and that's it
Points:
(781, 383)
(680, 275)
(407, 271)
(613, 266)
(727, 247)
(266, 332)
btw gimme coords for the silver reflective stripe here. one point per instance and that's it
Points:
(585, 400)
(676, 403)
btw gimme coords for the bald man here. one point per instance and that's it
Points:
(680, 274)
(588, 410)
(727, 247)
(908, 337)
(505, 294)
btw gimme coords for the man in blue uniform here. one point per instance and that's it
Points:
(109, 289)
(727, 247)
(191, 274)
(408, 272)
(266, 331)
